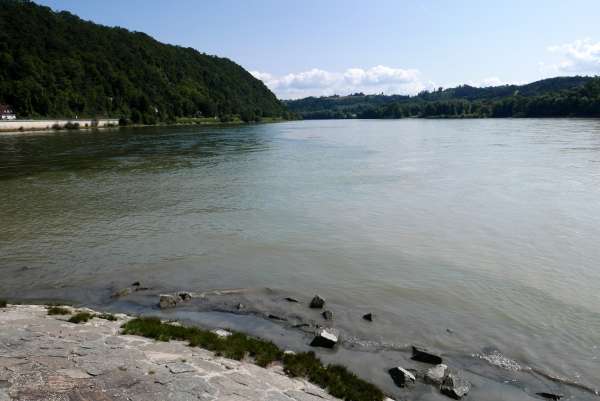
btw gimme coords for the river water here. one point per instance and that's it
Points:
(479, 238)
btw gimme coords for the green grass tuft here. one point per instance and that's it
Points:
(106, 316)
(81, 317)
(3, 303)
(58, 310)
(336, 379)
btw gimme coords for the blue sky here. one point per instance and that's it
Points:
(311, 47)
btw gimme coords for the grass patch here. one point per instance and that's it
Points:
(3, 303)
(336, 379)
(58, 310)
(81, 317)
(106, 316)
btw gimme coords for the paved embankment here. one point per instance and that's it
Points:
(40, 125)
(47, 358)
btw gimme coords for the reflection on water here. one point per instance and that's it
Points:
(485, 227)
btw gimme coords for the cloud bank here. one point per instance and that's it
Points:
(578, 57)
(317, 82)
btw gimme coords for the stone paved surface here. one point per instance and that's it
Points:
(46, 358)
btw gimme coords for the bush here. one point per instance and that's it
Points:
(71, 125)
(3, 303)
(58, 310)
(81, 317)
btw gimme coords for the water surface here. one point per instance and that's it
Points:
(468, 235)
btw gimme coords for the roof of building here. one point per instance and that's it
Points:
(5, 109)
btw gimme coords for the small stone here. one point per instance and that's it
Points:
(240, 306)
(289, 352)
(550, 396)
(368, 317)
(436, 374)
(455, 386)
(121, 293)
(317, 302)
(275, 317)
(177, 368)
(167, 301)
(222, 333)
(401, 376)
(289, 299)
(93, 371)
(136, 284)
(327, 315)
(184, 296)
(326, 338)
(73, 373)
(422, 354)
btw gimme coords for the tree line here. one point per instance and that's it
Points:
(554, 97)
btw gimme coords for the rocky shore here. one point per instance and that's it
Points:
(48, 358)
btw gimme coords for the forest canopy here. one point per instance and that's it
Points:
(54, 64)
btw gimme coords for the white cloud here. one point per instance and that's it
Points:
(578, 57)
(317, 82)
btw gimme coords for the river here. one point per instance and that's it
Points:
(476, 237)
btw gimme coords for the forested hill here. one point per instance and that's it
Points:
(553, 97)
(54, 64)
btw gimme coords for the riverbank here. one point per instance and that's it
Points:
(15, 126)
(46, 357)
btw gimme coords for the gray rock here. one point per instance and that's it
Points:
(184, 296)
(289, 299)
(167, 301)
(327, 315)
(326, 338)
(455, 386)
(317, 302)
(401, 376)
(436, 374)
(275, 317)
(422, 354)
(368, 317)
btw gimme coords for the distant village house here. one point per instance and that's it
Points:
(6, 113)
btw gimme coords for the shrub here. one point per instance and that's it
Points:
(3, 303)
(58, 310)
(81, 317)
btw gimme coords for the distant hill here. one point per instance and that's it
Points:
(54, 64)
(561, 96)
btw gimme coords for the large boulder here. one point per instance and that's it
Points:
(317, 302)
(326, 338)
(422, 354)
(401, 376)
(436, 374)
(167, 301)
(455, 386)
